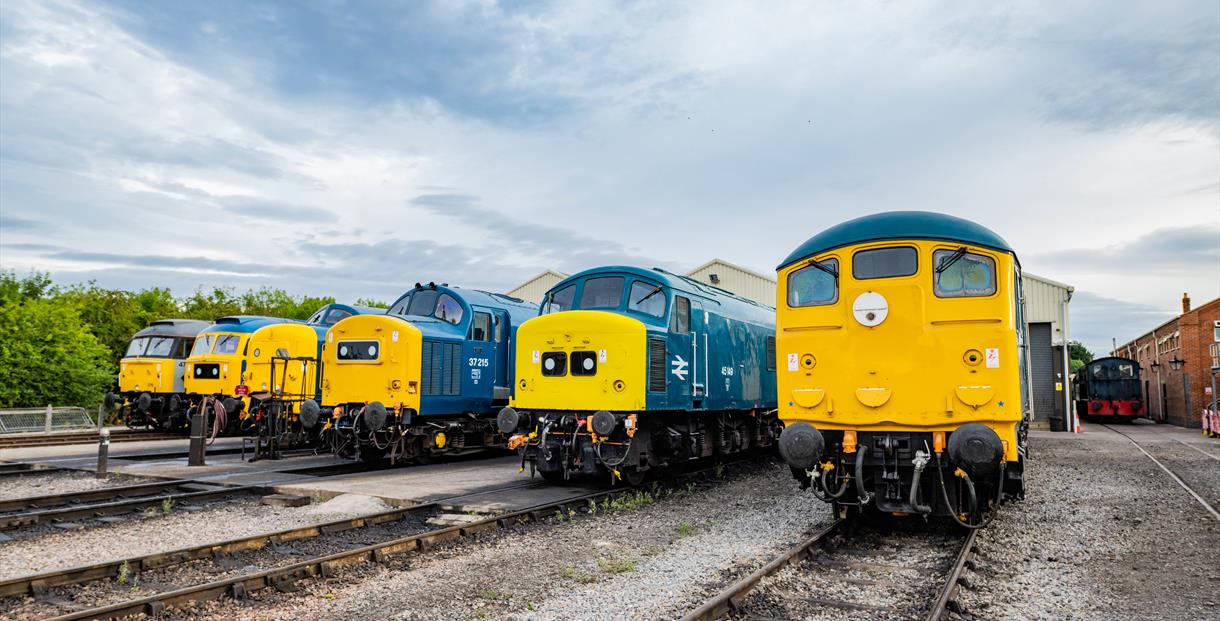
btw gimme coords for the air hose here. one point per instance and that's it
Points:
(940, 473)
(860, 489)
(826, 486)
(921, 461)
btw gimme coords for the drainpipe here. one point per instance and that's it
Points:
(1068, 415)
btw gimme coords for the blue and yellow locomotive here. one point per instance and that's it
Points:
(151, 391)
(902, 376)
(424, 378)
(631, 370)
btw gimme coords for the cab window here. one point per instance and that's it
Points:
(336, 315)
(680, 322)
(480, 327)
(448, 309)
(136, 347)
(647, 298)
(602, 292)
(160, 346)
(884, 263)
(423, 303)
(203, 345)
(559, 301)
(227, 344)
(317, 318)
(184, 348)
(961, 274)
(816, 284)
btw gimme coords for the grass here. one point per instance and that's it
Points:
(686, 529)
(124, 573)
(167, 505)
(616, 565)
(629, 501)
(568, 572)
(492, 595)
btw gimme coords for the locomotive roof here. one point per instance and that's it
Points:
(1111, 359)
(898, 225)
(518, 310)
(173, 327)
(245, 323)
(730, 303)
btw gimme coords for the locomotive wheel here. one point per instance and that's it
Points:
(371, 455)
(633, 476)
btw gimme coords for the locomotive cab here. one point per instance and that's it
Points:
(900, 343)
(614, 347)
(151, 390)
(423, 379)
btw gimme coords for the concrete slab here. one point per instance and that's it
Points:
(51, 454)
(285, 500)
(467, 485)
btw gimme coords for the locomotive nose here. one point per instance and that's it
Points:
(801, 445)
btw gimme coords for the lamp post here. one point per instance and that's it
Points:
(1177, 363)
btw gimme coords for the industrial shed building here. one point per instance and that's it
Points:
(533, 289)
(1046, 314)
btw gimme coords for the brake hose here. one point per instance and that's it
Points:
(944, 492)
(860, 490)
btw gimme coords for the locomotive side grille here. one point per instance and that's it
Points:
(656, 365)
(453, 374)
(441, 374)
(770, 353)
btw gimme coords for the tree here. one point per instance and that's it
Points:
(1079, 355)
(49, 356)
(209, 307)
(371, 303)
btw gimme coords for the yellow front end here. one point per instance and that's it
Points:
(373, 358)
(932, 364)
(617, 343)
(217, 373)
(153, 375)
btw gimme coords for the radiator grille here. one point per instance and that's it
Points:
(441, 373)
(656, 365)
(770, 353)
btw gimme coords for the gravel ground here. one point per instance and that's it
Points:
(157, 533)
(1103, 534)
(59, 482)
(655, 560)
(882, 574)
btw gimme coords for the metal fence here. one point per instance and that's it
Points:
(48, 419)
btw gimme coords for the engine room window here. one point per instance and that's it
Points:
(961, 274)
(604, 292)
(647, 298)
(227, 344)
(884, 263)
(160, 347)
(680, 324)
(136, 347)
(203, 345)
(559, 301)
(449, 309)
(480, 328)
(816, 284)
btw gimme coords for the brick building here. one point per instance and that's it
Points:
(1177, 359)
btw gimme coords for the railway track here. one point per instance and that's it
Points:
(853, 573)
(63, 439)
(1207, 506)
(59, 508)
(57, 589)
(18, 468)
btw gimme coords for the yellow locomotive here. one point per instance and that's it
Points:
(151, 376)
(901, 367)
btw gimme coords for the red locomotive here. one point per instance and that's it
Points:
(1110, 388)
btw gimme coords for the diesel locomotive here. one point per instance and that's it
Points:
(628, 371)
(1109, 388)
(903, 379)
(151, 390)
(425, 378)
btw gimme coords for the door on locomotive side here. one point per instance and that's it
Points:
(687, 334)
(483, 357)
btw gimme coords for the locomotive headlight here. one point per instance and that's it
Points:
(396, 384)
(808, 361)
(257, 352)
(870, 309)
(619, 385)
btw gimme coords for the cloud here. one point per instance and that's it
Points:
(1172, 249)
(1099, 321)
(215, 143)
(13, 223)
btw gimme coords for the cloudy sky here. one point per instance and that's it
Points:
(355, 148)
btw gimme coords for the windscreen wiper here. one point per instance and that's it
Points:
(948, 262)
(825, 268)
(650, 294)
